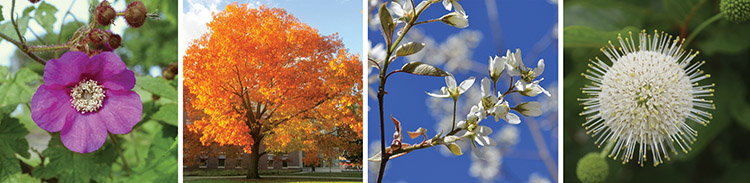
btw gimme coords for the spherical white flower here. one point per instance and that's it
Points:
(643, 99)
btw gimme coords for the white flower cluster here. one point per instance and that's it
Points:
(496, 105)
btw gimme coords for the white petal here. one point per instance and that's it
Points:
(459, 9)
(450, 81)
(447, 4)
(397, 9)
(512, 119)
(485, 141)
(438, 95)
(466, 84)
(483, 131)
(486, 87)
(539, 68)
(461, 124)
(519, 59)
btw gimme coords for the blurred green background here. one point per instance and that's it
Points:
(722, 151)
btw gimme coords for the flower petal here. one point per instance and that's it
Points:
(539, 68)
(122, 110)
(485, 141)
(438, 95)
(459, 9)
(51, 107)
(512, 118)
(108, 69)
(447, 4)
(486, 87)
(450, 81)
(483, 131)
(466, 84)
(84, 133)
(65, 70)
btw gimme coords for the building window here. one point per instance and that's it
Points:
(222, 160)
(284, 163)
(269, 162)
(203, 162)
(238, 164)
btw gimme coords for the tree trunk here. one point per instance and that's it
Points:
(252, 171)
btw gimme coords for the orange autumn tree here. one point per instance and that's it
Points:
(263, 77)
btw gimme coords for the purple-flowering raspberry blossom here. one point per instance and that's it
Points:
(84, 98)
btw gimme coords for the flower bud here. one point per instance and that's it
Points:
(455, 19)
(34, 1)
(592, 168)
(136, 14)
(736, 11)
(105, 14)
(113, 42)
(170, 72)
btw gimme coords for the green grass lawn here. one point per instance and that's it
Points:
(272, 172)
(237, 172)
(263, 180)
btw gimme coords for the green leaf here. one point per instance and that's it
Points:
(582, 36)
(167, 113)
(3, 73)
(18, 89)
(69, 166)
(409, 48)
(1, 13)
(161, 164)
(386, 21)
(157, 86)
(45, 15)
(606, 15)
(454, 149)
(420, 68)
(23, 24)
(19, 177)
(12, 141)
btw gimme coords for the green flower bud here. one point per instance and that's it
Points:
(736, 11)
(592, 168)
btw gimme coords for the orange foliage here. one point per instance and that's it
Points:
(261, 75)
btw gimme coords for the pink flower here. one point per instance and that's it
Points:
(84, 98)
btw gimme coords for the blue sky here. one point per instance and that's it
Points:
(528, 25)
(333, 16)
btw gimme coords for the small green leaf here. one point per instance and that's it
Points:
(409, 48)
(13, 135)
(45, 15)
(386, 21)
(23, 24)
(19, 177)
(18, 88)
(167, 113)
(69, 166)
(1, 13)
(161, 163)
(157, 86)
(420, 68)
(3, 74)
(454, 149)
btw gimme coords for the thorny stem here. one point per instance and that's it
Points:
(381, 88)
(701, 27)
(119, 151)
